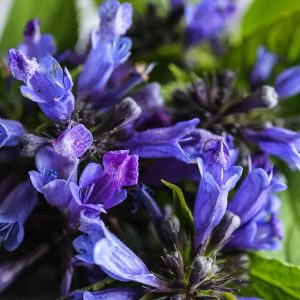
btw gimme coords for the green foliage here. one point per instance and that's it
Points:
(273, 279)
(273, 24)
(57, 17)
(181, 209)
(291, 219)
(264, 11)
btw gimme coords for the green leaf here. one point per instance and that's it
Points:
(279, 32)
(291, 218)
(261, 12)
(179, 74)
(181, 209)
(272, 279)
(57, 17)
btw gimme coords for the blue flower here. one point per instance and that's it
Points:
(206, 19)
(14, 210)
(35, 44)
(287, 82)
(162, 142)
(102, 60)
(104, 249)
(265, 62)
(73, 142)
(109, 49)
(46, 83)
(217, 179)
(10, 132)
(54, 174)
(100, 189)
(121, 293)
(258, 209)
(115, 19)
(280, 142)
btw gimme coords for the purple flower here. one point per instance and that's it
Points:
(101, 189)
(263, 232)
(104, 249)
(257, 208)
(35, 44)
(174, 170)
(14, 210)
(73, 142)
(217, 179)
(109, 49)
(162, 142)
(287, 82)
(10, 132)
(54, 174)
(102, 60)
(115, 91)
(206, 19)
(265, 62)
(149, 97)
(122, 293)
(279, 142)
(115, 19)
(46, 83)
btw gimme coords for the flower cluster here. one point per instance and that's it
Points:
(94, 172)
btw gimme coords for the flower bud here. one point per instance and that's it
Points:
(263, 97)
(174, 262)
(224, 231)
(201, 267)
(30, 143)
(121, 115)
(170, 227)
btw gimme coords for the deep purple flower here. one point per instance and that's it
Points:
(171, 170)
(10, 132)
(104, 249)
(162, 142)
(206, 19)
(101, 189)
(217, 179)
(279, 142)
(46, 83)
(265, 62)
(14, 210)
(35, 44)
(288, 82)
(73, 142)
(258, 209)
(176, 3)
(54, 174)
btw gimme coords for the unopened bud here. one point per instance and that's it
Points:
(170, 228)
(263, 97)
(30, 143)
(174, 262)
(201, 267)
(121, 115)
(224, 231)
